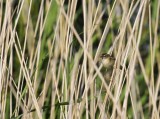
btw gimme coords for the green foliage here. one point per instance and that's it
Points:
(48, 29)
(64, 73)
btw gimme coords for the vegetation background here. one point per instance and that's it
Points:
(49, 51)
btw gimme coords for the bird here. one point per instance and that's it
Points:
(107, 60)
(108, 64)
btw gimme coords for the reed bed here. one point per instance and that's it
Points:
(49, 59)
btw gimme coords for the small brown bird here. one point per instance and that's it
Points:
(107, 60)
(108, 63)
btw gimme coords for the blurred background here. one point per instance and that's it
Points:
(49, 51)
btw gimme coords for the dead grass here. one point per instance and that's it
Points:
(49, 52)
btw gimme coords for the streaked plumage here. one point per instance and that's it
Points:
(107, 60)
